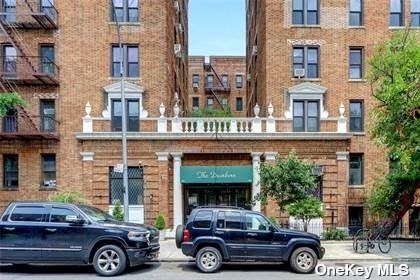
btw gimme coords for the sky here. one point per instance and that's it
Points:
(216, 27)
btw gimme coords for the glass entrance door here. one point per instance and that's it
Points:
(216, 195)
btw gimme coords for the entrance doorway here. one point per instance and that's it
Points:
(355, 219)
(216, 195)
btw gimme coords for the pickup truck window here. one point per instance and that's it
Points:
(27, 213)
(229, 220)
(203, 219)
(58, 214)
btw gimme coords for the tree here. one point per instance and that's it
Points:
(395, 80)
(68, 197)
(117, 212)
(306, 209)
(287, 182)
(10, 100)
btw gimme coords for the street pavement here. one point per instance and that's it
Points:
(173, 265)
(187, 270)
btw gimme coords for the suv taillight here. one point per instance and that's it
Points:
(186, 236)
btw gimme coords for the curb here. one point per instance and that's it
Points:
(401, 260)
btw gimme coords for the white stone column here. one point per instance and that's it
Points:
(177, 191)
(256, 187)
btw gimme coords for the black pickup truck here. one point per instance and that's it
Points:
(46, 232)
(214, 235)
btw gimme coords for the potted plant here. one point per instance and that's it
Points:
(160, 225)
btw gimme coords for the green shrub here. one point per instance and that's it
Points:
(334, 234)
(211, 113)
(160, 222)
(273, 220)
(68, 197)
(117, 212)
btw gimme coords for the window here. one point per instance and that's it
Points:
(132, 112)
(415, 13)
(256, 222)
(135, 186)
(195, 103)
(47, 7)
(356, 169)
(396, 13)
(58, 214)
(356, 63)
(225, 81)
(10, 120)
(356, 116)
(305, 116)
(195, 80)
(47, 59)
(356, 13)
(10, 171)
(239, 104)
(229, 220)
(131, 59)
(239, 81)
(306, 58)
(48, 170)
(125, 11)
(305, 12)
(210, 102)
(9, 7)
(9, 60)
(209, 81)
(28, 214)
(203, 219)
(47, 115)
(224, 103)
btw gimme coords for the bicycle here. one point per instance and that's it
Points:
(364, 242)
(361, 232)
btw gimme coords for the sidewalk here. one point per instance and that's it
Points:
(334, 251)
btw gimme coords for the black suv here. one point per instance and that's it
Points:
(45, 232)
(214, 235)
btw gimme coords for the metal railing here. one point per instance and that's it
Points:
(19, 124)
(38, 69)
(30, 14)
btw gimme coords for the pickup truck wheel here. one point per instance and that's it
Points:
(179, 232)
(303, 260)
(208, 260)
(109, 260)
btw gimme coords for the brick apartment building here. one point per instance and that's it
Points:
(304, 59)
(218, 83)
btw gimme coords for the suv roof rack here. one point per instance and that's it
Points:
(220, 206)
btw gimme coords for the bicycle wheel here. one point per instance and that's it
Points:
(384, 245)
(361, 245)
(363, 232)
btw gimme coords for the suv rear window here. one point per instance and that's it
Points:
(229, 220)
(203, 219)
(27, 213)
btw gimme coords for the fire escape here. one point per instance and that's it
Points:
(20, 68)
(215, 87)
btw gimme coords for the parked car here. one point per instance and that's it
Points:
(46, 232)
(214, 235)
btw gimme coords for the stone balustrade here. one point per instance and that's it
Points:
(213, 125)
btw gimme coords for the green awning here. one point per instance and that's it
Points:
(216, 174)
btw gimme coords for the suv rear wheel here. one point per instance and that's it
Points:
(208, 259)
(303, 260)
(109, 260)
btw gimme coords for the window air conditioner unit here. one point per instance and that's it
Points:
(50, 183)
(195, 85)
(300, 72)
(178, 50)
(176, 6)
(180, 28)
(254, 50)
